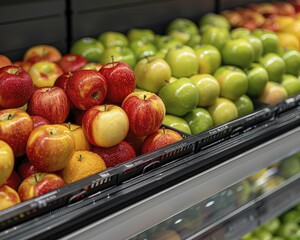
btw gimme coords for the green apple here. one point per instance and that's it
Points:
(152, 73)
(233, 82)
(274, 65)
(184, 25)
(144, 34)
(209, 58)
(194, 40)
(288, 230)
(239, 32)
(262, 234)
(208, 89)
(272, 225)
(289, 167)
(290, 216)
(292, 61)
(113, 39)
(142, 49)
(88, 47)
(291, 84)
(215, 36)
(277, 238)
(247, 236)
(257, 46)
(177, 123)
(243, 191)
(237, 52)
(166, 42)
(213, 19)
(257, 79)
(244, 105)
(179, 97)
(136, 89)
(223, 111)
(123, 54)
(180, 35)
(199, 120)
(183, 61)
(269, 40)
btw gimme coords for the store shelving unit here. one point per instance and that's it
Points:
(150, 200)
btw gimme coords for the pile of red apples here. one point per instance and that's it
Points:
(52, 105)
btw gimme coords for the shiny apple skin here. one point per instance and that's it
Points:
(86, 88)
(120, 81)
(50, 147)
(15, 128)
(16, 87)
(105, 125)
(146, 112)
(51, 103)
(159, 139)
(8, 197)
(38, 184)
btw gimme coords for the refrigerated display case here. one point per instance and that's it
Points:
(193, 189)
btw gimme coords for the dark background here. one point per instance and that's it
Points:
(25, 23)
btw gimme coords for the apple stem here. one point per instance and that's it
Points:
(148, 60)
(69, 125)
(35, 178)
(145, 96)
(80, 158)
(112, 59)
(105, 107)
(10, 116)
(19, 68)
(164, 130)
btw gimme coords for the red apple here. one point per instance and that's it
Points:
(285, 8)
(8, 197)
(81, 142)
(26, 169)
(135, 141)
(50, 147)
(38, 184)
(86, 88)
(15, 87)
(44, 74)
(7, 161)
(78, 115)
(120, 80)
(146, 112)
(114, 155)
(4, 61)
(23, 64)
(15, 128)
(38, 121)
(40, 53)
(72, 62)
(105, 125)
(13, 181)
(160, 138)
(49, 102)
(62, 80)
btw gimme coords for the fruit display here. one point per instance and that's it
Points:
(117, 96)
(212, 209)
(284, 227)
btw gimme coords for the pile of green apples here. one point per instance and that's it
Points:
(206, 73)
(284, 227)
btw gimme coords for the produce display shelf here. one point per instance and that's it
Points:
(254, 213)
(104, 193)
(159, 206)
